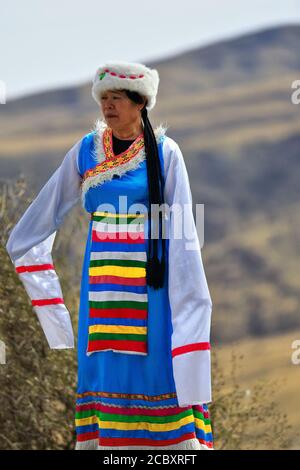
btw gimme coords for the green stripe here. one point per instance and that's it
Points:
(118, 304)
(200, 415)
(122, 220)
(132, 418)
(114, 336)
(117, 262)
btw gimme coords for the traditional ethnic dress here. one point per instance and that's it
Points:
(143, 354)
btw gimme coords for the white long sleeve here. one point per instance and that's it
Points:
(30, 248)
(190, 300)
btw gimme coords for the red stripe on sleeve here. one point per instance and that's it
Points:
(32, 268)
(41, 302)
(189, 348)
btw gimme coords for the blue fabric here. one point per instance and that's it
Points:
(108, 371)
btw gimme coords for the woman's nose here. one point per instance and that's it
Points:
(109, 103)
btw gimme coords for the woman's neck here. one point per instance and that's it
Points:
(128, 133)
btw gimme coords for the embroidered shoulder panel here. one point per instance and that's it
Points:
(106, 163)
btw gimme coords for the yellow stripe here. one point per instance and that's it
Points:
(139, 330)
(113, 214)
(122, 271)
(133, 426)
(200, 425)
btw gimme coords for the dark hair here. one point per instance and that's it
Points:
(155, 268)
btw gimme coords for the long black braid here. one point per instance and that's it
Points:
(155, 268)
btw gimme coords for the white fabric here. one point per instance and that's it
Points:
(56, 323)
(31, 242)
(46, 213)
(192, 376)
(189, 296)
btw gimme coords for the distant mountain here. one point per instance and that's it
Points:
(228, 105)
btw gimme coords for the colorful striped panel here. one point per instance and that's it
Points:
(123, 422)
(203, 425)
(118, 298)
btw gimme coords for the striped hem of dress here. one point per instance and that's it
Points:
(139, 423)
(189, 444)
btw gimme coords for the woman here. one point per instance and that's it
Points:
(145, 309)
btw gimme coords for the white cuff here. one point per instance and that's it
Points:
(56, 324)
(40, 280)
(192, 376)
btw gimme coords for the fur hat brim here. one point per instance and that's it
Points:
(126, 75)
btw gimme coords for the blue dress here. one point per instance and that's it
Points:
(126, 395)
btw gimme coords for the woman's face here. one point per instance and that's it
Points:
(118, 110)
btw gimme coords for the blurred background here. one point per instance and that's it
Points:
(227, 71)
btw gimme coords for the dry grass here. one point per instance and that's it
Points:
(37, 385)
(260, 383)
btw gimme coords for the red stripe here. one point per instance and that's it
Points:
(126, 281)
(118, 313)
(41, 302)
(207, 443)
(121, 345)
(118, 237)
(32, 268)
(199, 408)
(139, 441)
(131, 411)
(190, 347)
(87, 436)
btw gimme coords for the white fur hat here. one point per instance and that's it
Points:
(128, 75)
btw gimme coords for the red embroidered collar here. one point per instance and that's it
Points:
(108, 145)
(111, 160)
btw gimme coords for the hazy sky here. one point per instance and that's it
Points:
(46, 44)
